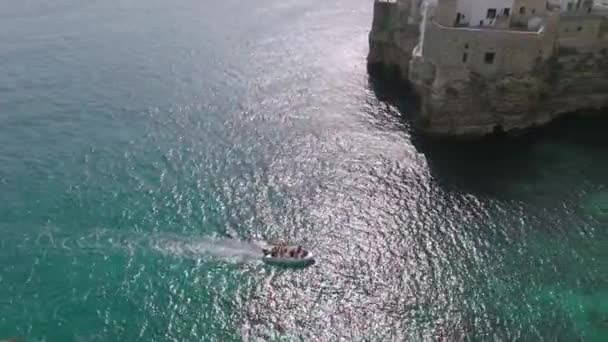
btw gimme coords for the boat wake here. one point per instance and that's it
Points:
(227, 249)
(104, 241)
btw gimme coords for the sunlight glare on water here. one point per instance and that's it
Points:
(149, 148)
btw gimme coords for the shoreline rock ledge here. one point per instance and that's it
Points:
(481, 67)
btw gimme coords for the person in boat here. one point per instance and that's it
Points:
(282, 250)
(298, 252)
(302, 252)
(275, 251)
(270, 252)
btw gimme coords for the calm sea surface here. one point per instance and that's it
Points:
(147, 145)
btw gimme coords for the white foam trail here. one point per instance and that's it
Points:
(103, 240)
(228, 249)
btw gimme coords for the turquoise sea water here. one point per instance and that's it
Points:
(146, 145)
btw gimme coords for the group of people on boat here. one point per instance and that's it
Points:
(284, 251)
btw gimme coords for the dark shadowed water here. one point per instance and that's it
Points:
(146, 146)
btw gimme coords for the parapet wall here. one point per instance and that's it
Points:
(584, 33)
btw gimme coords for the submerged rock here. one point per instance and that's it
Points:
(596, 205)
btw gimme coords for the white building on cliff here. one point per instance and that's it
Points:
(495, 13)
(509, 36)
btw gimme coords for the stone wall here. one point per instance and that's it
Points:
(582, 32)
(514, 52)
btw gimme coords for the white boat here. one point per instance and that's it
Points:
(305, 258)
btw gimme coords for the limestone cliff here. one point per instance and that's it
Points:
(476, 105)
(394, 35)
(537, 81)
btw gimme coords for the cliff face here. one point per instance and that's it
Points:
(461, 100)
(394, 35)
(476, 105)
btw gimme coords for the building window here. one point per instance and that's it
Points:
(522, 10)
(481, 23)
(506, 12)
(459, 17)
(491, 13)
(466, 46)
(465, 56)
(489, 57)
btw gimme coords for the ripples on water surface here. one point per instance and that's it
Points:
(144, 144)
